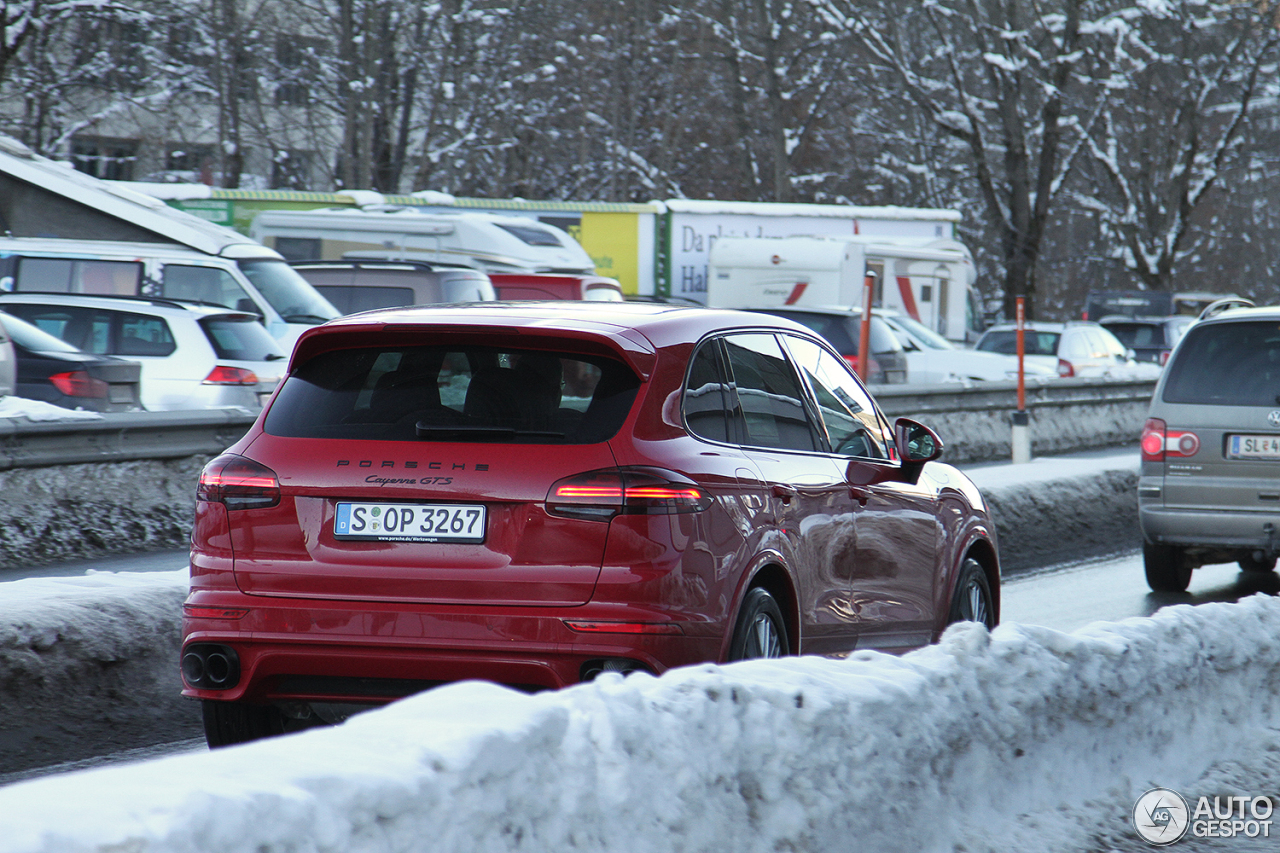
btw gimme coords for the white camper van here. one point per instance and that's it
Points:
(483, 241)
(929, 280)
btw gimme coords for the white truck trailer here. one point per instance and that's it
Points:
(927, 278)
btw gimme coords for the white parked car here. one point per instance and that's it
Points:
(193, 356)
(1079, 348)
(931, 358)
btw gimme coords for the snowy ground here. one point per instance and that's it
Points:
(1025, 738)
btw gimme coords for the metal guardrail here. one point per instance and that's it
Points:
(120, 437)
(172, 435)
(898, 400)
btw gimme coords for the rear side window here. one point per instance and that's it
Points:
(240, 340)
(58, 275)
(458, 393)
(706, 396)
(142, 335)
(1227, 364)
(352, 299)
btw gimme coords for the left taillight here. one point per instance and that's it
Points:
(238, 483)
(78, 383)
(1065, 368)
(600, 495)
(224, 375)
(1159, 442)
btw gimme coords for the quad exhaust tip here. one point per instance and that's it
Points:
(210, 666)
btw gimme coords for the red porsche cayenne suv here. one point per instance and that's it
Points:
(534, 494)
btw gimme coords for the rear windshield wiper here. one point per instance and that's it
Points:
(455, 432)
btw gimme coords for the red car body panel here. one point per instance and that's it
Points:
(855, 553)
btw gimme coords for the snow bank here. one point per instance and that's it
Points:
(967, 744)
(38, 410)
(89, 659)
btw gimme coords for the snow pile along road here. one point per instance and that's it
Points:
(90, 658)
(986, 741)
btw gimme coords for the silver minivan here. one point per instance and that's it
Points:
(1209, 489)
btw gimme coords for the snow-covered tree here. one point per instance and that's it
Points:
(1016, 85)
(1185, 76)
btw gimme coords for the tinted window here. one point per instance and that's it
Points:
(30, 338)
(853, 427)
(1230, 364)
(1138, 334)
(56, 275)
(706, 396)
(352, 299)
(240, 340)
(769, 393)
(210, 285)
(441, 393)
(1006, 342)
(142, 335)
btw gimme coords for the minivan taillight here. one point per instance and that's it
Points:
(1159, 442)
(78, 383)
(1066, 369)
(238, 483)
(224, 375)
(603, 494)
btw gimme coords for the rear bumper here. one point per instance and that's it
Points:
(310, 650)
(1216, 529)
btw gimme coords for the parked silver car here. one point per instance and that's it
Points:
(193, 356)
(1209, 490)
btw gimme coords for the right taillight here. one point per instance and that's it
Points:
(600, 495)
(238, 483)
(77, 383)
(1065, 368)
(1159, 442)
(1164, 358)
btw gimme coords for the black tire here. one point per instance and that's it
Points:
(760, 631)
(1167, 567)
(972, 600)
(227, 723)
(1249, 564)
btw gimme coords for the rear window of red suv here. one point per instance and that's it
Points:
(455, 393)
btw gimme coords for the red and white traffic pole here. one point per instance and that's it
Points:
(1021, 438)
(864, 330)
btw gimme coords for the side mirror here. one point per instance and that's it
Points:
(916, 444)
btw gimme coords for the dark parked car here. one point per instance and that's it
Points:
(1150, 338)
(354, 284)
(53, 371)
(534, 494)
(842, 328)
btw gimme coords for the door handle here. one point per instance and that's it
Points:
(783, 491)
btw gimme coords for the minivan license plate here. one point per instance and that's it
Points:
(1253, 447)
(384, 522)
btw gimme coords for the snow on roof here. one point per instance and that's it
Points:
(1015, 739)
(845, 211)
(115, 199)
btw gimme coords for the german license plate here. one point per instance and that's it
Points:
(1253, 447)
(385, 522)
